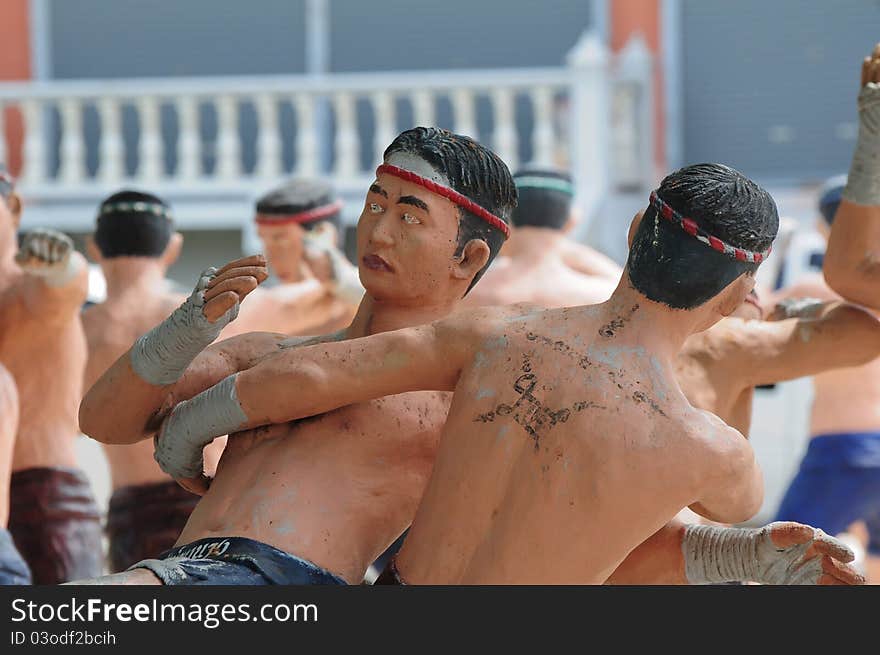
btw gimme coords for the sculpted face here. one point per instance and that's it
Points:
(406, 238)
(283, 247)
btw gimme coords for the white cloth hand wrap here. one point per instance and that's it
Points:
(49, 255)
(863, 181)
(715, 554)
(160, 356)
(195, 423)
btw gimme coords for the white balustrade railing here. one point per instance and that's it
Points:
(174, 151)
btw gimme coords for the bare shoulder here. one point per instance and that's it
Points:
(473, 325)
(722, 448)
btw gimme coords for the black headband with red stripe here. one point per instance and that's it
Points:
(690, 226)
(314, 214)
(450, 194)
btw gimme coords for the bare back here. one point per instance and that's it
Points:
(565, 447)
(351, 477)
(44, 349)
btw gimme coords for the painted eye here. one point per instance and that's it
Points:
(410, 219)
(376, 208)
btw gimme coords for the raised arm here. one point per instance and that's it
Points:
(307, 381)
(56, 278)
(167, 364)
(852, 260)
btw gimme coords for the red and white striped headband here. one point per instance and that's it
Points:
(307, 216)
(451, 194)
(690, 226)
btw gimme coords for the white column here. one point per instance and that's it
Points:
(149, 167)
(72, 150)
(463, 112)
(504, 132)
(346, 164)
(34, 164)
(385, 126)
(189, 165)
(307, 163)
(589, 121)
(268, 136)
(542, 135)
(228, 147)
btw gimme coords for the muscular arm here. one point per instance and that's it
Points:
(173, 360)
(122, 408)
(852, 261)
(657, 560)
(329, 376)
(834, 335)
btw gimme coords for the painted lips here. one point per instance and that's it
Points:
(376, 263)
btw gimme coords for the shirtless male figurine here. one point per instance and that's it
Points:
(53, 517)
(135, 243)
(568, 442)
(319, 291)
(717, 369)
(538, 263)
(316, 501)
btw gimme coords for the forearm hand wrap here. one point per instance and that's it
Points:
(160, 356)
(715, 554)
(194, 424)
(863, 181)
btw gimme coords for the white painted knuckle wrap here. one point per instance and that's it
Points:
(863, 181)
(716, 554)
(161, 356)
(194, 424)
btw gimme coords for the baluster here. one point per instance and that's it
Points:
(463, 112)
(111, 146)
(306, 139)
(504, 133)
(346, 164)
(542, 136)
(72, 145)
(268, 136)
(34, 164)
(150, 143)
(189, 165)
(385, 128)
(423, 108)
(228, 147)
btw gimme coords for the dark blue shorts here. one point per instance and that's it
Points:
(13, 569)
(234, 561)
(837, 484)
